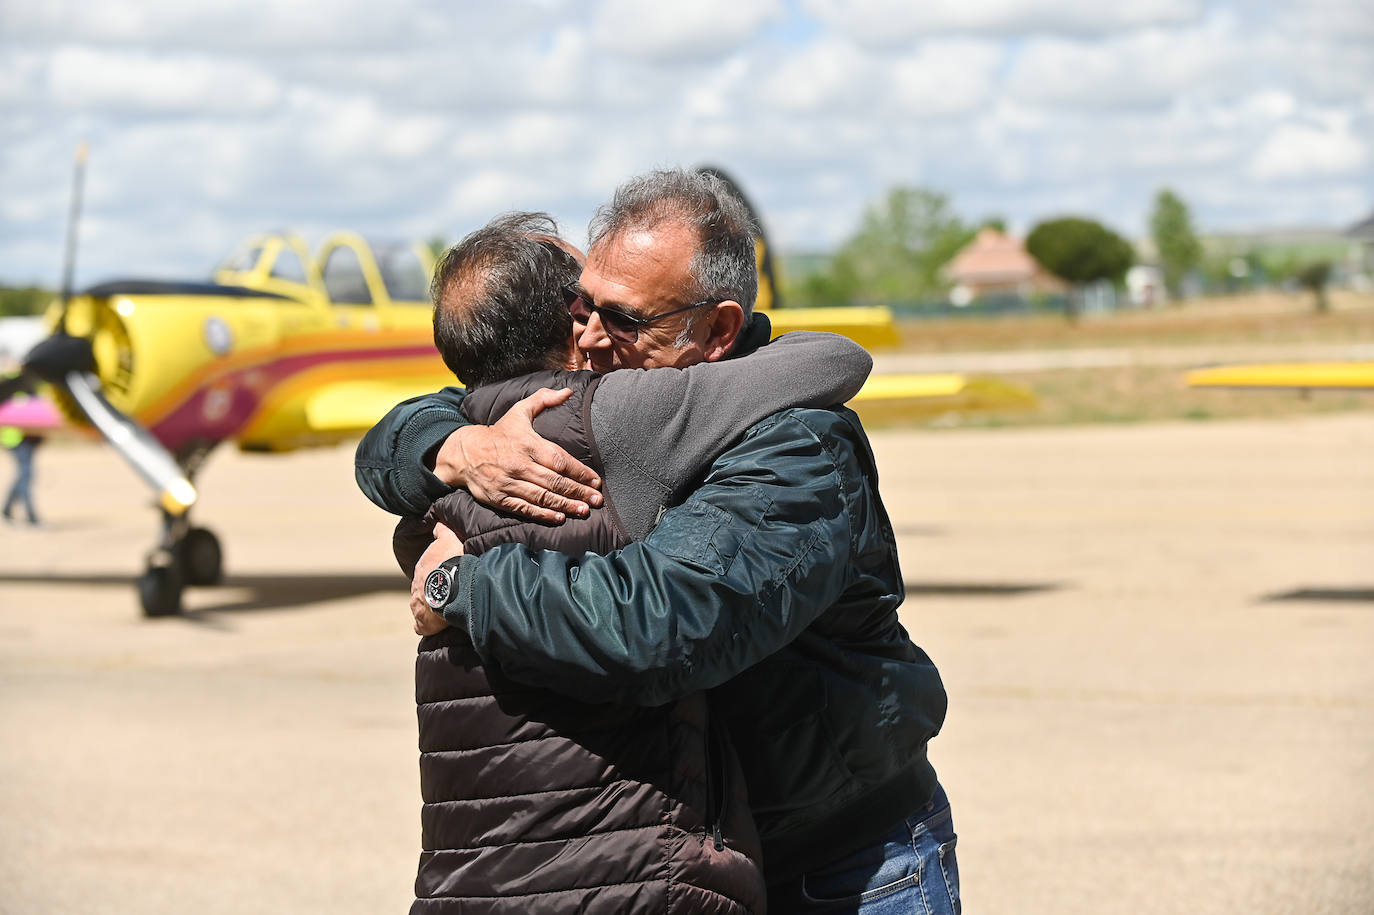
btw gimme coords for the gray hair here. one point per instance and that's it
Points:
(724, 265)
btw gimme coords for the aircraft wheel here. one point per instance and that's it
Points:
(200, 557)
(159, 590)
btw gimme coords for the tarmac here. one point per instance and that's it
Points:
(1157, 642)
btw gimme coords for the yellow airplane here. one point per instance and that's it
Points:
(284, 350)
(281, 351)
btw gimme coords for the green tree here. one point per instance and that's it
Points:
(1080, 251)
(26, 300)
(1178, 246)
(437, 245)
(834, 284)
(1314, 277)
(901, 244)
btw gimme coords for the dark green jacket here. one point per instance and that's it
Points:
(775, 585)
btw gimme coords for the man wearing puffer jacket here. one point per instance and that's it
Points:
(774, 583)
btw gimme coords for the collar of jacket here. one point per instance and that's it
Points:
(755, 334)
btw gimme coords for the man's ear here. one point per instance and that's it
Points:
(727, 320)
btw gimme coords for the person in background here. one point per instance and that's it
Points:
(22, 445)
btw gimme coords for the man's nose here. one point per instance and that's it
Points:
(594, 335)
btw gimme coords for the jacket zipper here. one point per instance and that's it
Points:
(715, 804)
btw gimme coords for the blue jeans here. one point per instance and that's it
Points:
(912, 870)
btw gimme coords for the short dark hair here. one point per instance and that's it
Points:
(724, 266)
(498, 300)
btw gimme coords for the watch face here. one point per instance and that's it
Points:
(438, 584)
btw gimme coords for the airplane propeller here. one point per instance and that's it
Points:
(67, 362)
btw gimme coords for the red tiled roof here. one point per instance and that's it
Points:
(992, 257)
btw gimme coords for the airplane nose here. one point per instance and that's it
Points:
(53, 358)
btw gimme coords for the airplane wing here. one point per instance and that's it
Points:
(1302, 375)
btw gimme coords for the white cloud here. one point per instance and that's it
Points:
(717, 93)
(90, 78)
(521, 137)
(947, 78)
(1149, 67)
(267, 25)
(486, 192)
(358, 128)
(838, 78)
(1311, 150)
(825, 75)
(888, 22)
(1270, 105)
(1347, 20)
(209, 121)
(700, 30)
(21, 74)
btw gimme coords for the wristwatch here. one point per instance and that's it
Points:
(439, 585)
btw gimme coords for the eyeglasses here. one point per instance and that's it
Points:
(619, 325)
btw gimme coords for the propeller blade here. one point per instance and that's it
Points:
(134, 443)
(73, 221)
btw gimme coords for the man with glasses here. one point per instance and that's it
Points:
(774, 584)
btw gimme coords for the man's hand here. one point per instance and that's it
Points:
(508, 466)
(446, 545)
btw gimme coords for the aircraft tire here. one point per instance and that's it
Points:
(201, 558)
(159, 591)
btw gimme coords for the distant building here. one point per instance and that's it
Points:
(1145, 285)
(996, 265)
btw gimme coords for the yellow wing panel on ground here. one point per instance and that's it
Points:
(887, 398)
(1307, 375)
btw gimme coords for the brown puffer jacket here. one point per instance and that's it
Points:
(534, 802)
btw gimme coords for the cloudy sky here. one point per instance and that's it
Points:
(211, 120)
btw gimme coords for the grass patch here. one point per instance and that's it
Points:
(1272, 317)
(1138, 394)
(1141, 393)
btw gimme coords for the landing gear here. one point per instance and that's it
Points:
(184, 555)
(159, 590)
(200, 557)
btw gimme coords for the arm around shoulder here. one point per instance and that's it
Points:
(391, 464)
(659, 429)
(726, 579)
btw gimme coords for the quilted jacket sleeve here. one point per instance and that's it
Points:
(392, 463)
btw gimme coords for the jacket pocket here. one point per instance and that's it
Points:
(702, 534)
